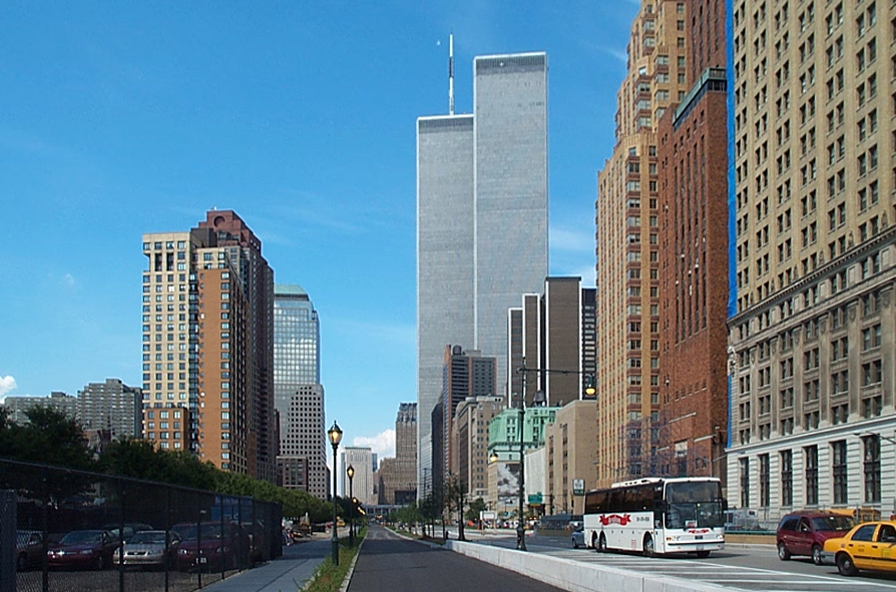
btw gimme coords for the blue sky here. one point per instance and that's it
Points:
(119, 118)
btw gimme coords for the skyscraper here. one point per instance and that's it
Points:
(693, 266)
(298, 394)
(465, 374)
(811, 331)
(554, 330)
(362, 485)
(208, 345)
(627, 219)
(481, 219)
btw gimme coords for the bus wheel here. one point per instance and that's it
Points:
(649, 549)
(602, 544)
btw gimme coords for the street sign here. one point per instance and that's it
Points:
(578, 487)
(535, 499)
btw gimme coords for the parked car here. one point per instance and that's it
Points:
(867, 546)
(804, 533)
(128, 530)
(29, 549)
(214, 545)
(148, 548)
(578, 537)
(83, 549)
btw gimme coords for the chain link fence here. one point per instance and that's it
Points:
(73, 531)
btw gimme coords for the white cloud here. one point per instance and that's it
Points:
(8, 383)
(383, 444)
(68, 279)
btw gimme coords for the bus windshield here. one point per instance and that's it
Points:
(695, 504)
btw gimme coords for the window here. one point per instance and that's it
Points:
(786, 478)
(838, 466)
(871, 468)
(764, 485)
(745, 482)
(811, 454)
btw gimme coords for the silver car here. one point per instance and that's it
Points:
(578, 537)
(147, 548)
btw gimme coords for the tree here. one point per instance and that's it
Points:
(455, 501)
(477, 506)
(141, 460)
(50, 437)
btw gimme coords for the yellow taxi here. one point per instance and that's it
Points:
(871, 546)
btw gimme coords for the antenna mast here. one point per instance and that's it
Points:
(451, 74)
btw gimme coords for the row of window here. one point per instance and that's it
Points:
(870, 470)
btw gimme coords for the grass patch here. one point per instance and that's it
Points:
(328, 577)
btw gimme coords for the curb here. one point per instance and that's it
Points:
(351, 568)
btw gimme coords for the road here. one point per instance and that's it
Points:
(752, 568)
(389, 563)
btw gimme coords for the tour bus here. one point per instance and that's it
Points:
(657, 516)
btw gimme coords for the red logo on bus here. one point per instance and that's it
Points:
(615, 519)
(700, 531)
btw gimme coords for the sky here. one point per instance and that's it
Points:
(119, 118)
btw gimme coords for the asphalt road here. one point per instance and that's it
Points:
(389, 563)
(753, 568)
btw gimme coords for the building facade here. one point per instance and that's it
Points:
(110, 406)
(627, 219)
(465, 374)
(504, 434)
(298, 394)
(693, 197)
(363, 485)
(208, 345)
(469, 433)
(481, 219)
(812, 335)
(571, 467)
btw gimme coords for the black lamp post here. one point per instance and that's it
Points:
(335, 436)
(350, 471)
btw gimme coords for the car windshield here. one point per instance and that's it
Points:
(832, 523)
(189, 531)
(81, 537)
(148, 536)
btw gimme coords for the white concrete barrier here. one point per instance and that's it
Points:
(576, 576)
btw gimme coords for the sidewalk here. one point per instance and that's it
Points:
(286, 573)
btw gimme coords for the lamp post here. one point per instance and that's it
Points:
(350, 471)
(335, 436)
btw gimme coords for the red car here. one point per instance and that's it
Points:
(804, 533)
(213, 545)
(83, 549)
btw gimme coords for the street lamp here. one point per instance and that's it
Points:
(350, 471)
(335, 436)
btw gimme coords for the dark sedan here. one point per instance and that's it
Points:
(83, 549)
(213, 546)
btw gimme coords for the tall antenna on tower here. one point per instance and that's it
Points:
(451, 74)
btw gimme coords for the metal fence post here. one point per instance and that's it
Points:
(8, 507)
